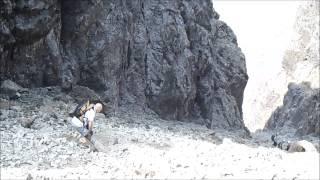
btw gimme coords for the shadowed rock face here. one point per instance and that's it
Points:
(176, 57)
(300, 110)
(29, 41)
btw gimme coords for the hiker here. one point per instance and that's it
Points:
(88, 120)
(84, 115)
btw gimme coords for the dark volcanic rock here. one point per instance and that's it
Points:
(11, 89)
(300, 110)
(176, 57)
(29, 43)
(81, 94)
(9, 86)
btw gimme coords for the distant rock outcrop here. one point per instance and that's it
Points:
(175, 57)
(300, 64)
(300, 110)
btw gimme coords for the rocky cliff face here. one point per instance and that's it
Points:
(300, 111)
(175, 57)
(29, 42)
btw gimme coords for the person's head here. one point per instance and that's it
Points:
(98, 107)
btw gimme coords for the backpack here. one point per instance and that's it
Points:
(81, 109)
(85, 106)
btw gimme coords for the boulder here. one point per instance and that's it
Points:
(81, 94)
(9, 86)
(302, 146)
(11, 89)
(26, 122)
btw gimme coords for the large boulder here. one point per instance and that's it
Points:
(9, 86)
(81, 94)
(11, 89)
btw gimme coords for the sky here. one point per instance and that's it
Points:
(263, 29)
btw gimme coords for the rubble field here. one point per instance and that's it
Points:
(38, 142)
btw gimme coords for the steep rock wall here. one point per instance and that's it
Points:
(300, 111)
(175, 57)
(29, 42)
